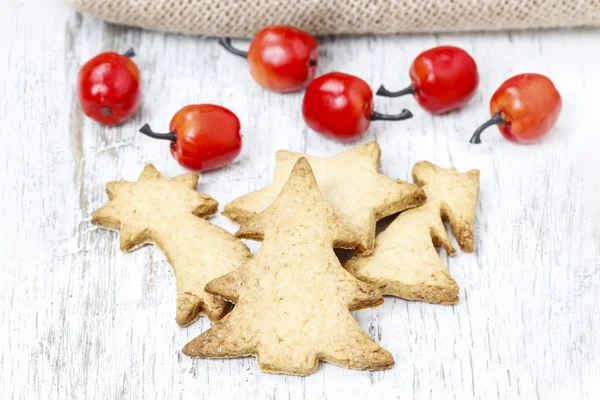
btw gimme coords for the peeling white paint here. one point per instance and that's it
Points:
(79, 319)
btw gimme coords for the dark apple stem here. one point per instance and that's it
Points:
(312, 62)
(382, 91)
(146, 130)
(226, 43)
(129, 53)
(405, 114)
(495, 120)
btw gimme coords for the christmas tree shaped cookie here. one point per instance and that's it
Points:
(293, 298)
(169, 213)
(405, 263)
(351, 184)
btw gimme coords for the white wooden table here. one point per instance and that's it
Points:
(81, 320)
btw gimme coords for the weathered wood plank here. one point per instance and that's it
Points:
(83, 320)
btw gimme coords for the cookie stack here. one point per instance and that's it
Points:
(293, 298)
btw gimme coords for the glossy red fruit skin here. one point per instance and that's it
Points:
(444, 78)
(530, 105)
(283, 58)
(108, 88)
(338, 106)
(208, 137)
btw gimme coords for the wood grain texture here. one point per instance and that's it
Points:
(82, 320)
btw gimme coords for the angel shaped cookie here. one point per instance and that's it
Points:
(405, 262)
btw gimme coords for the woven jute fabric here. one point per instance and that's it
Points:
(239, 18)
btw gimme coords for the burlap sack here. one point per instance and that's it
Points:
(243, 18)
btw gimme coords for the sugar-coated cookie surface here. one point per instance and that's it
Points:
(293, 298)
(351, 184)
(169, 212)
(405, 263)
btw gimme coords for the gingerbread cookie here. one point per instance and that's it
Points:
(169, 213)
(405, 263)
(351, 184)
(293, 298)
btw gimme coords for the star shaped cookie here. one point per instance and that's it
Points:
(169, 212)
(350, 182)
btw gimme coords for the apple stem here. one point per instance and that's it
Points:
(129, 53)
(226, 43)
(382, 91)
(495, 120)
(146, 130)
(405, 114)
